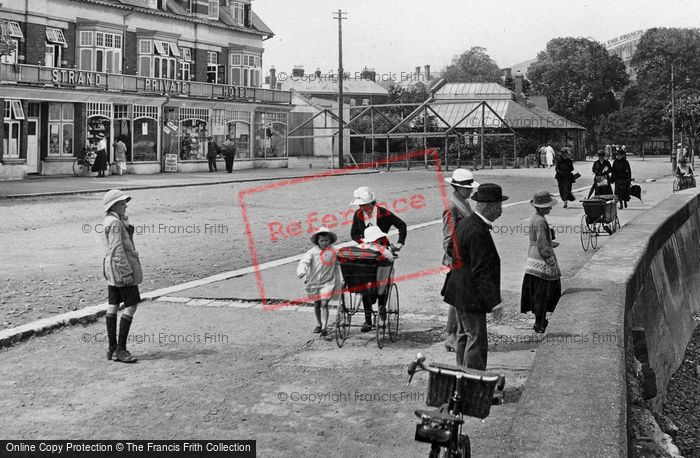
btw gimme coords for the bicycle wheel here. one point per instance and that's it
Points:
(342, 321)
(465, 446)
(585, 234)
(392, 312)
(79, 168)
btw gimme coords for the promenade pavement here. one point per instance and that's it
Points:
(241, 388)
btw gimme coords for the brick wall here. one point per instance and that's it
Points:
(130, 64)
(223, 65)
(79, 126)
(200, 65)
(69, 52)
(35, 39)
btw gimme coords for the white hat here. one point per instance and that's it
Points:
(323, 230)
(362, 196)
(373, 233)
(112, 197)
(462, 178)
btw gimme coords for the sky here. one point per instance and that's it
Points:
(394, 36)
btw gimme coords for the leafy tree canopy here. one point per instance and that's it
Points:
(473, 66)
(579, 78)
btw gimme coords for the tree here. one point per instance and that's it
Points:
(688, 118)
(473, 66)
(579, 78)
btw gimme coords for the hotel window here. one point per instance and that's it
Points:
(212, 67)
(237, 12)
(13, 114)
(158, 59)
(245, 69)
(185, 64)
(10, 58)
(214, 9)
(100, 51)
(60, 129)
(12, 33)
(55, 42)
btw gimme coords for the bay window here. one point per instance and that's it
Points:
(158, 59)
(100, 51)
(245, 69)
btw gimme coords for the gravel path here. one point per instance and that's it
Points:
(683, 399)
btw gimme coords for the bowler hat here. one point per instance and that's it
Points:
(323, 230)
(112, 197)
(462, 178)
(543, 199)
(489, 192)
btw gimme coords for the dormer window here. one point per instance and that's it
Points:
(237, 12)
(214, 10)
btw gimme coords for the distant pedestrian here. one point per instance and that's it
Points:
(458, 208)
(565, 177)
(321, 273)
(541, 285)
(549, 154)
(122, 270)
(601, 176)
(369, 214)
(100, 164)
(212, 153)
(120, 156)
(228, 150)
(621, 175)
(542, 157)
(474, 288)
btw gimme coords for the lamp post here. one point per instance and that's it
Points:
(674, 157)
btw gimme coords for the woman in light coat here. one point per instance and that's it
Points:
(542, 284)
(122, 270)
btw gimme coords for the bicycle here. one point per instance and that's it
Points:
(83, 164)
(457, 392)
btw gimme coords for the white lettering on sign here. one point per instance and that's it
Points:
(159, 85)
(77, 77)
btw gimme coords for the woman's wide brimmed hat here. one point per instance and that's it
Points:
(112, 197)
(372, 234)
(462, 178)
(489, 192)
(362, 196)
(543, 199)
(601, 152)
(323, 230)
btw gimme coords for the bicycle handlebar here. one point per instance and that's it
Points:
(420, 360)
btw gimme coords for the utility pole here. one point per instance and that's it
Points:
(340, 15)
(673, 122)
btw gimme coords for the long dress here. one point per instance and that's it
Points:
(541, 287)
(622, 177)
(601, 170)
(564, 177)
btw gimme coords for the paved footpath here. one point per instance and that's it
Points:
(292, 391)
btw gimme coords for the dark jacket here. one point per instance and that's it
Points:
(621, 172)
(474, 284)
(385, 219)
(564, 170)
(601, 168)
(213, 150)
(228, 149)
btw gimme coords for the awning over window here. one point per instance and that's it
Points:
(17, 109)
(55, 36)
(174, 50)
(160, 47)
(12, 29)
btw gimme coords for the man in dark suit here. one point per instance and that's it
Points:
(474, 285)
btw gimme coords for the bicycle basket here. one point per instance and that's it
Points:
(477, 395)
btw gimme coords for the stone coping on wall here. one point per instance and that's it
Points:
(575, 400)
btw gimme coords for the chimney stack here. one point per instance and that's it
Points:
(507, 73)
(417, 72)
(427, 73)
(298, 71)
(369, 74)
(519, 96)
(318, 72)
(273, 78)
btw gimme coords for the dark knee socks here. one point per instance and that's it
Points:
(111, 320)
(124, 325)
(367, 301)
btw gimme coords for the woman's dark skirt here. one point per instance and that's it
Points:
(537, 293)
(565, 190)
(622, 190)
(100, 161)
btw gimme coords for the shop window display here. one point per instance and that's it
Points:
(193, 140)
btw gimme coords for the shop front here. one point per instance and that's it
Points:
(270, 137)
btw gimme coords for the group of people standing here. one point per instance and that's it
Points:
(101, 162)
(472, 284)
(606, 174)
(227, 150)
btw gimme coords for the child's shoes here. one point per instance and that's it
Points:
(317, 329)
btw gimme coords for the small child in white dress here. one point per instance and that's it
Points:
(321, 272)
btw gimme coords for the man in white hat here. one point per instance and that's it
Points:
(122, 270)
(458, 208)
(369, 214)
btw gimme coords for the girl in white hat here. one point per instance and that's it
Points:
(321, 273)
